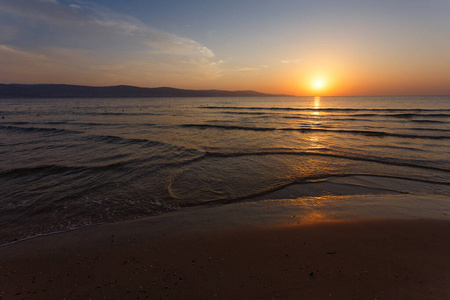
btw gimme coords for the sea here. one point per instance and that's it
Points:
(70, 163)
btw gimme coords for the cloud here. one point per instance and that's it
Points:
(292, 61)
(22, 64)
(244, 69)
(77, 37)
(9, 53)
(76, 6)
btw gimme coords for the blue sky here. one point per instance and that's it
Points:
(284, 46)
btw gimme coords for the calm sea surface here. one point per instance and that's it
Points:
(66, 163)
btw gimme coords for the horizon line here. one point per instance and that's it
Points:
(222, 90)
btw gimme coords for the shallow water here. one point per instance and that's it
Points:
(66, 163)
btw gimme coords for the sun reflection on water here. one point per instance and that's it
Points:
(316, 106)
(313, 138)
(314, 142)
(317, 102)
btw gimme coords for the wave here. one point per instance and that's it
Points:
(412, 115)
(38, 129)
(243, 113)
(119, 114)
(112, 124)
(57, 123)
(186, 157)
(429, 129)
(419, 115)
(360, 116)
(381, 160)
(20, 123)
(397, 148)
(406, 115)
(305, 180)
(392, 110)
(167, 208)
(37, 123)
(228, 127)
(429, 121)
(304, 130)
(112, 139)
(400, 115)
(45, 170)
(101, 138)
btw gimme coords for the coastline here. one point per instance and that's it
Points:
(327, 199)
(249, 250)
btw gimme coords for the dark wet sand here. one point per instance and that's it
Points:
(371, 259)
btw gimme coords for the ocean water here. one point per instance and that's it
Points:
(67, 163)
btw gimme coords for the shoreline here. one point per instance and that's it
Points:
(250, 250)
(332, 198)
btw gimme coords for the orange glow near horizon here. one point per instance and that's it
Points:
(346, 51)
(316, 86)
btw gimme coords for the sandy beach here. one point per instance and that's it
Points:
(218, 253)
(224, 150)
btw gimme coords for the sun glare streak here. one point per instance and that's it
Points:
(317, 102)
(316, 106)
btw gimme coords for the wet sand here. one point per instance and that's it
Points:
(204, 253)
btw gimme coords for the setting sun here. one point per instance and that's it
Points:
(318, 84)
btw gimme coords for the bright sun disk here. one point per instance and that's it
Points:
(318, 84)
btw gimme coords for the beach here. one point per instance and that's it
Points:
(204, 253)
(224, 150)
(225, 198)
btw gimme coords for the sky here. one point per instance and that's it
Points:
(296, 47)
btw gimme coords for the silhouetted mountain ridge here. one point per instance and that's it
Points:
(118, 91)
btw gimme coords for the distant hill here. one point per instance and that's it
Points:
(119, 91)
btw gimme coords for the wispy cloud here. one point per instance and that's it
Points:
(290, 61)
(73, 37)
